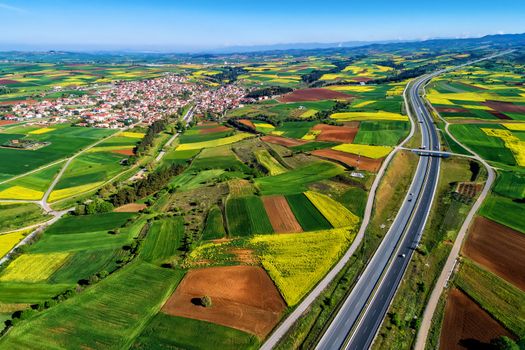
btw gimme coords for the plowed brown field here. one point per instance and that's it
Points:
(126, 152)
(220, 128)
(247, 123)
(283, 141)
(131, 208)
(243, 297)
(499, 248)
(316, 94)
(353, 160)
(505, 107)
(335, 133)
(466, 325)
(281, 216)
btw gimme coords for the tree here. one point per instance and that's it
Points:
(206, 301)
(504, 343)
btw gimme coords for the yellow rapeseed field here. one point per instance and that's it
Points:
(214, 143)
(135, 135)
(311, 135)
(22, 193)
(41, 131)
(364, 150)
(309, 113)
(9, 240)
(72, 191)
(34, 267)
(270, 163)
(380, 115)
(363, 104)
(333, 211)
(297, 262)
(513, 143)
(353, 88)
(515, 126)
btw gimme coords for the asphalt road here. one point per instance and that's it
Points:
(360, 317)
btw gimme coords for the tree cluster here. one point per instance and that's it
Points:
(269, 91)
(154, 129)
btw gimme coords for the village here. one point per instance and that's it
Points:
(128, 102)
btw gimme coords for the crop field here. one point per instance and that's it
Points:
(247, 216)
(117, 307)
(306, 213)
(368, 116)
(511, 184)
(64, 141)
(179, 332)
(89, 223)
(297, 262)
(214, 227)
(220, 157)
(369, 151)
(17, 215)
(504, 211)
(381, 133)
(30, 187)
(296, 180)
(9, 240)
(213, 143)
(163, 240)
(333, 211)
(269, 163)
(281, 216)
(33, 267)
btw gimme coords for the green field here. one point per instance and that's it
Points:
(163, 239)
(247, 216)
(296, 180)
(214, 227)
(510, 184)
(269, 163)
(170, 332)
(306, 213)
(505, 211)
(117, 308)
(381, 133)
(18, 215)
(89, 223)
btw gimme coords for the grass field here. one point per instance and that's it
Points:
(18, 215)
(296, 180)
(297, 262)
(32, 185)
(510, 184)
(33, 267)
(333, 211)
(306, 213)
(171, 332)
(505, 211)
(89, 223)
(214, 227)
(118, 308)
(269, 163)
(247, 216)
(381, 133)
(163, 240)
(502, 300)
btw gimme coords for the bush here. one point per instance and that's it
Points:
(206, 301)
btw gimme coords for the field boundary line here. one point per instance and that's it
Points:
(285, 325)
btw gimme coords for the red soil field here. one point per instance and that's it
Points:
(281, 216)
(247, 123)
(452, 110)
(466, 325)
(283, 141)
(500, 115)
(498, 248)
(353, 160)
(130, 208)
(219, 128)
(503, 107)
(361, 79)
(334, 133)
(7, 81)
(7, 122)
(316, 94)
(243, 297)
(126, 152)
(15, 102)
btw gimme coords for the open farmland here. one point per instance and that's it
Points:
(247, 216)
(269, 162)
(33, 267)
(281, 215)
(333, 211)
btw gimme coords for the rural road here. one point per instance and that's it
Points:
(187, 118)
(358, 321)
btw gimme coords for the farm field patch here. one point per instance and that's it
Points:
(243, 297)
(214, 143)
(332, 133)
(18, 215)
(33, 267)
(349, 159)
(214, 226)
(374, 152)
(365, 116)
(247, 216)
(269, 163)
(163, 240)
(504, 211)
(281, 215)
(333, 211)
(9, 240)
(306, 213)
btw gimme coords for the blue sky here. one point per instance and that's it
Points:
(199, 24)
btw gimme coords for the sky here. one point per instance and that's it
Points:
(196, 25)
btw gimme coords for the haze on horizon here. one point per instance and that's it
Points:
(200, 25)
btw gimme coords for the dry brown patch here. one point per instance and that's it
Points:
(243, 297)
(505, 107)
(126, 152)
(283, 141)
(498, 248)
(131, 208)
(15, 102)
(244, 256)
(281, 216)
(247, 123)
(220, 128)
(349, 159)
(466, 325)
(7, 122)
(452, 110)
(316, 94)
(469, 189)
(335, 133)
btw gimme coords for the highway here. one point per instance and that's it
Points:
(360, 316)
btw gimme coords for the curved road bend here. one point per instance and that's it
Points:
(359, 318)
